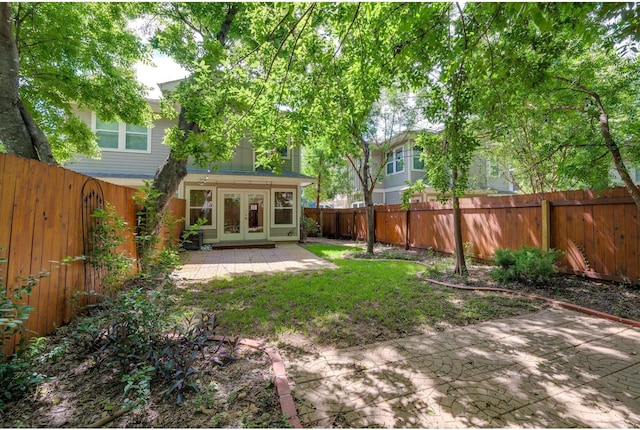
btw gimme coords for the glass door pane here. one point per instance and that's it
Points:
(255, 215)
(231, 215)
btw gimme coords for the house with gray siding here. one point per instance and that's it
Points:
(238, 201)
(402, 164)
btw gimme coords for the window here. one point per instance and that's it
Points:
(418, 164)
(283, 208)
(284, 152)
(118, 136)
(200, 205)
(638, 174)
(395, 161)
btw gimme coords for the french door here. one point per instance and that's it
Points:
(243, 215)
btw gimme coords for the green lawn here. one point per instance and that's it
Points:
(363, 301)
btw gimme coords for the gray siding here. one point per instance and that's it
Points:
(242, 159)
(125, 163)
(396, 179)
(393, 198)
(290, 232)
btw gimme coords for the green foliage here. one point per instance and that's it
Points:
(87, 62)
(14, 313)
(158, 255)
(529, 265)
(106, 235)
(309, 225)
(135, 333)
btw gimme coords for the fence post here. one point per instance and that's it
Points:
(406, 230)
(546, 225)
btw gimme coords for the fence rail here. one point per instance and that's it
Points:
(599, 233)
(41, 224)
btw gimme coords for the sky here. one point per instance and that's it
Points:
(164, 69)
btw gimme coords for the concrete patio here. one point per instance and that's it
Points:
(286, 257)
(554, 368)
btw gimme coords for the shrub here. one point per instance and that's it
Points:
(105, 236)
(136, 333)
(15, 368)
(309, 226)
(529, 265)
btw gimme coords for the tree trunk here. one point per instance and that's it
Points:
(169, 176)
(461, 265)
(368, 198)
(19, 134)
(613, 148)
(318, 189)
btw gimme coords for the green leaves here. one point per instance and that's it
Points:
(87, 62)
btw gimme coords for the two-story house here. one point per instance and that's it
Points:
(402, 164)
(238, 201)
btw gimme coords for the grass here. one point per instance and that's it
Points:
(362, 301)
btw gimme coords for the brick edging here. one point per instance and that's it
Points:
(283, 389)
(553, 302)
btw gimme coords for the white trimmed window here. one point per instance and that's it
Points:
(284, 153)
(395, 161)
(284, 208)
(200, 206)
(418, 164)
(119, 136)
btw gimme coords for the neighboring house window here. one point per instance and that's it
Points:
(494, 171)
(284, 152)
(638, 174)
(395, 161)
(283, 208)
(418, 164)
(119, 136)
(200, 205)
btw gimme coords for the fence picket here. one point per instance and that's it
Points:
(41, 222)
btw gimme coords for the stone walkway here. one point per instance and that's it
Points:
(287, 257)
(554, 368)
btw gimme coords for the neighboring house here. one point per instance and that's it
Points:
(402, 164)
(238, 201)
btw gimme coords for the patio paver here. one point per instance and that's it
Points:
(553, 368)
(287, 257)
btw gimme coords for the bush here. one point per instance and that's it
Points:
(15, 372)
(309, 226)
(529, 265)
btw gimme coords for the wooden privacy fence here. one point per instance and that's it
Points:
(599, 233)
(41, 223)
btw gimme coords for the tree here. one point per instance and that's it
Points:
(565, 74)
(449, 89)
(49, 69)
(330, 171)
(234, 52)
(350, 93)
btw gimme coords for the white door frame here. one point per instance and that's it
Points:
(243, 232)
